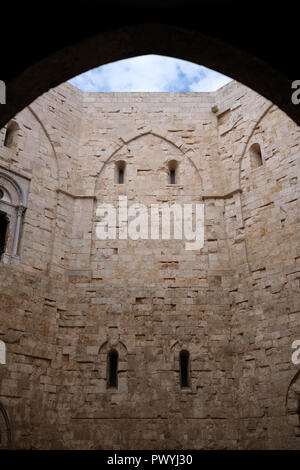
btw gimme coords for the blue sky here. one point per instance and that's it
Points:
(150, 73)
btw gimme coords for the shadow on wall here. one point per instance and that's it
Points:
(145, 38)
(5, 433)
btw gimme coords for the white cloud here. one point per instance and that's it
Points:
(211, 82)
(150, 73)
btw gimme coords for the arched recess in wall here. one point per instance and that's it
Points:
(5, 430)
(52, 138)
(181, 361)
(11, 135)
(130, 151)
(179, 145)
(243, 155)
(55, 145)
(249, 172)
(248, 142)
(113, 359)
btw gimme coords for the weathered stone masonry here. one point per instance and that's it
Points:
(68, 299)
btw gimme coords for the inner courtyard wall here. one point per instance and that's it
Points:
(69, 298)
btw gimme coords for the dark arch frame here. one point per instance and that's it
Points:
(93, 36)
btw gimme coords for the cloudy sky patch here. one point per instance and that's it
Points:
(150, 73)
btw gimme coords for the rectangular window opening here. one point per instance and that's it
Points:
(172, 176)
(121, 176)
(184, 370)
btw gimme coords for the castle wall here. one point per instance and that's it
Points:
(71, 298)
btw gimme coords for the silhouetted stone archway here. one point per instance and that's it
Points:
(219, 39)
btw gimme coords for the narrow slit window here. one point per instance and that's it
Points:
(7, 138)
(121, 176)
(172, 176)
(112, 369)
(184, 359)
(173, 167)
(120, 172)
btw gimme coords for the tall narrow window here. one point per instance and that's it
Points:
(184, 359)
(121, 176)
(112, 373)
(11, 134)
(172, 176)
(120, 172)
(3, 231)
(173, 172)
(255, 156)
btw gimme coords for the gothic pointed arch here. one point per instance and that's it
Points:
(180, 147)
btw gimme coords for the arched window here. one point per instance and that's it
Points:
(112, 369)
(173, 172)
(184, 359)
(3, 231)
(120, 172)
(255, 156)
(5, 435)
(10, 139)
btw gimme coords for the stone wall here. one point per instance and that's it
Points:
(234, 305)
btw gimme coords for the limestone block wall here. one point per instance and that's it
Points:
(270, 197)
(34, 158)
(265, 319)
(71, 298)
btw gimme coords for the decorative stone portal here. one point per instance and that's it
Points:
(13, 199)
